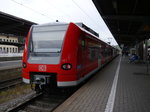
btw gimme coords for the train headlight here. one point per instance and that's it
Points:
(66, 66)
(24, 65)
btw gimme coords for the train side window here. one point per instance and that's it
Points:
(98, 53)
(83, 43)
(92, 55)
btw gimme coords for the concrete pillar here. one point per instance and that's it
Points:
(140, 50)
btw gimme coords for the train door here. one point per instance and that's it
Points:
(99, 56)
(81, 59)
(84, 57)
(102, 55)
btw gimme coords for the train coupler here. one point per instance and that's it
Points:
(41, 79)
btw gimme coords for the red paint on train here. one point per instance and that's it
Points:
(66, 60)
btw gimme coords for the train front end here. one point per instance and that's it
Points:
(42, 54)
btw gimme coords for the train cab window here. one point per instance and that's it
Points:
(46, 43)
(48, 38)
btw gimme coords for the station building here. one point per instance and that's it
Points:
(4, 48)
(13, 31)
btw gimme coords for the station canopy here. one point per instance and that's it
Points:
(128, 20)
(11, 25)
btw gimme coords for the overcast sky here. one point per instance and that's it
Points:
(45, 11)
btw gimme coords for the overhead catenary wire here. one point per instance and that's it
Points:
(35, 11)
(88, 16)
(54, 7)
(32, 10)
(84, 12)
(67, 15)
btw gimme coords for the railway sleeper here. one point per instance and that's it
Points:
(45, 104)
(33, 108)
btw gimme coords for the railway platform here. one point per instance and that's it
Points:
(5, 65)
(118, 87)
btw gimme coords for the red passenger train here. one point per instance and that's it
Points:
(63, 54)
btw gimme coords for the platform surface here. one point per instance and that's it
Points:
(119, 87)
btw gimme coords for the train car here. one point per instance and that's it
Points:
(63, 55)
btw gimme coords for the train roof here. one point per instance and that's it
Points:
(52, 23)
(87, 31)
(83, 27)
(80, 25)
(87, 28)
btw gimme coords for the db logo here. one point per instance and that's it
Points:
(42, 68)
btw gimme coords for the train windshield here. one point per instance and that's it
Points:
(45, 44)
(47, 38)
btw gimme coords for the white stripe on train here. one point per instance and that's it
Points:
(69, 83)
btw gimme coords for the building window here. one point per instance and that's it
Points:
(16, 50)
(4, 49)
(10, 49)
(7, 50)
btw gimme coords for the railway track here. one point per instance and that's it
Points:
(43, 102)
(10, 83)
